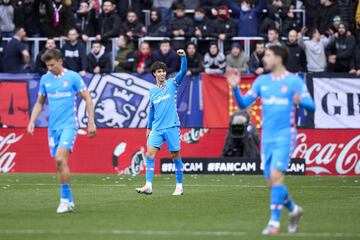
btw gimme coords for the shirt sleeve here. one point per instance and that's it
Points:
(78, 83)
(42, 89)
(250, 96)
(180, 75)
(150, 115)
(305, 99)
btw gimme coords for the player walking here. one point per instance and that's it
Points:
(61, 86)
(279, 92)
(163, 122)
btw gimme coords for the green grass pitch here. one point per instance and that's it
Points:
(213, 207)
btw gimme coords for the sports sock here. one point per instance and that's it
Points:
(278, 194)
(289, 202)
(150, 166)
(179, 171)
(65, 191)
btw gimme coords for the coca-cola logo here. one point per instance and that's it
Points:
(7, 158)
(325, 158)
(193, 135)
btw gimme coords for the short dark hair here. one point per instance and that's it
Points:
(95, 42)
(191, 43)
(51, 54)
(200, 9)
(180, 6)
(312, 31)
(165, 41)
(281, 52)
(131, 11)
(273, 29)
(158, 65)
(260, 42)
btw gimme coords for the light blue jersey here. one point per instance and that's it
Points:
(61, 92)
(162, 109)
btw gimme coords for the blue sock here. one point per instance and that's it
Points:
(289, 203)
(278, 194)
(179, 171)
(65, 192)
(150, 166)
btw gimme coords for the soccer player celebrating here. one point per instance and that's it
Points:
(280, 91)
(61, 86)
(163, 122)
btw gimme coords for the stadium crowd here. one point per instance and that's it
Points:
(329, 39)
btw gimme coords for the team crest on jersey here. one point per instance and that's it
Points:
(164, 87)
(65, 83)
(284, 88)
(120, 100)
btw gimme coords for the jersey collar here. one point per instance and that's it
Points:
(61, 74)
(279, 78)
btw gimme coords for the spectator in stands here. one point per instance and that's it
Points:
(122, 7)
(97, 60)
(336, 21)
(40, 66)
(195, 63)
(214, 60)
(157, 27)
(326, 14)
(297, 60)
(74, 53)
(248, 16)
(311, 11)
(108, 24)
(16, 56)
(314, 49)
(237, 58)
(341, 50)
(142, 58)
(190, 4)
(85, 20)
(57, 19)
(273, 38)
(355, 61)
(255, 62)
(203, 26)
(211, 7)
(164, 7)
(28, 17)
(224, 27)
(180, 24)
(124, 61)
(132, 27)
(167, 55)
(290, 22)
(7, 25)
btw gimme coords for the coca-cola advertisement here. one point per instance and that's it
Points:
(122, 151)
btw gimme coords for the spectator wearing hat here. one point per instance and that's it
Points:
(40, 66)
(237, 58)
(195, 63)
(341, 50)
(255, 62)
(203, 26)
(97, 60)
(214, 60)
(297, 60)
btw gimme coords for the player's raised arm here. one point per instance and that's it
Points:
(302, 96)
(180, 75)
(36, 112)
(233, 78)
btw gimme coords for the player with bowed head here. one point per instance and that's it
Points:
(280, 91)
(163, 122)
(60, 86)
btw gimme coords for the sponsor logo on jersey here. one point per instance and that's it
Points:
(275, 101)
(162, 98)
(59, 94)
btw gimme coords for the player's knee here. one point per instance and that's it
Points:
(276, 177)
(150, 155)
(60, 164)
(175, 155)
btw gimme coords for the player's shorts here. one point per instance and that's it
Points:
(61, 138)
(276, 156)
(170, 135)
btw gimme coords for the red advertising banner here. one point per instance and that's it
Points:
(327, 152)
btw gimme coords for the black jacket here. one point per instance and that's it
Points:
(157, 28)
(343, 47)
(109, 25)
(297, 59)
(355, 61)
(206, 26)
(40, 66)
(74, 56)
(136, 28)
(171, 60)
(227, 27)
(27, 16)
(326, 15)
(101, 60)
(195, 64)
(255, 62)
(86, 23)
(184, 23)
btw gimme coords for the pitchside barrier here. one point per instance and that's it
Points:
(205, 103)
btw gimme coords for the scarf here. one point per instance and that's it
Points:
(56, 15)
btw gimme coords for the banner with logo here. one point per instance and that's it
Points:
(326, 152)
(337, 99)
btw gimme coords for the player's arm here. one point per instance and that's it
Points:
(90, 111)
(38, 107)
(302, 96)
(150, 119)
(233, 78)
(180, 75)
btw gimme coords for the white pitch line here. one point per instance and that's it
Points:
(170, 233)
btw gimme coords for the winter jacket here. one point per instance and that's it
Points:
(346, 11)
(195, 64)
(170, 59)
(74, 56)
(7, 18)
(248, 23)
(325, 18)
(215, 63)
(184, 23)
(210, 4)
(101, 60)
(255, 62)
(27, 16)
(157, 28)
(239, 62)
(108, 25)
(125, 57)
(50, 28)
(40, 66)
(343, 47)
(297, 59)
(86, 23)
(355, 60)
(206, 26)
(137, 28)
(147, 61)
(227, 27)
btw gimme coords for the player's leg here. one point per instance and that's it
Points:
(172, 138)
(154, 143)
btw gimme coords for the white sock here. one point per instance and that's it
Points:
(179, 185)
(294, 211)
(148, 184)
(274, 224)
